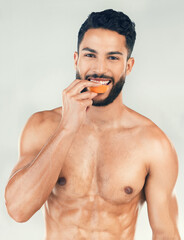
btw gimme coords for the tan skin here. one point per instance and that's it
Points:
(93, 167)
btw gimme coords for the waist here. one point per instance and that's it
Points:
(74, 232)
(81, 224)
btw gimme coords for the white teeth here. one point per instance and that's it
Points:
(101, 82)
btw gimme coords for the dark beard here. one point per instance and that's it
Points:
(113, 94)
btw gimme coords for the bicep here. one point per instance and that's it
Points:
(30, 143)
(159, 189)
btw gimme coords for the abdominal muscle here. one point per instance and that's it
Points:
(89, 218)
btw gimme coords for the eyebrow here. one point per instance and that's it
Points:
(89, 50)
(109, 53)
(115, 52)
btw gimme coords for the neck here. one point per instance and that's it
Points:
(106, 117)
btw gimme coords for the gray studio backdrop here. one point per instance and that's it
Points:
(37, 41)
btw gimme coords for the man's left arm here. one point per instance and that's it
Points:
(161, 203)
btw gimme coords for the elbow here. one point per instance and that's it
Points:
(167, 230)
(17, 213)
(159, 235)
(19, 218)
(20, 206)
(166, 236)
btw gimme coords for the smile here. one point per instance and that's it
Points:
(99, 80)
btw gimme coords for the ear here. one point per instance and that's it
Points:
(76, 56)
(129, 66)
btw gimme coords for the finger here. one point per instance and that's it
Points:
(86, 102)
(81, 85)
(85, 95)
(72, 84)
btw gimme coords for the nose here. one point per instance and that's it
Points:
(100, 66)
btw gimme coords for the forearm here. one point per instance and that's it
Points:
(30, 186)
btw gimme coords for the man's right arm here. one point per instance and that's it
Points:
(39, 166)
(37, 171)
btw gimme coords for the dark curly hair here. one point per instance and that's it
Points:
(111, 20)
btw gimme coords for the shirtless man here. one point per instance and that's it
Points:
(94, 161)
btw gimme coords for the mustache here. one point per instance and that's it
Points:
(99, 76)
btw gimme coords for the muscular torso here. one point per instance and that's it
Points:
(100, 187)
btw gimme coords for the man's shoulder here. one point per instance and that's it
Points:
(154, 144)
(38, 129)
(47, 115)
(41, 124)
(46, 118)
(140, 122)
(150, 135)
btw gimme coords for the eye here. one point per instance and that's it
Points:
(113, 58)
(91, 55)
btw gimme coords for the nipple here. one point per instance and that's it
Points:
(61, 181)
(128, 190)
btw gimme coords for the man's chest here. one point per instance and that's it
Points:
(111, 166)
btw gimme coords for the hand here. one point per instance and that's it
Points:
(75, 104)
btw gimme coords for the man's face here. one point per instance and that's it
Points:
(103, 54)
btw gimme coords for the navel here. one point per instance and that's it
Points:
(61, 181)
(128, 190)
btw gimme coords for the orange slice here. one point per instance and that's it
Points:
(99, 89)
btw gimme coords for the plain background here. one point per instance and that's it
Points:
(37, 42)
